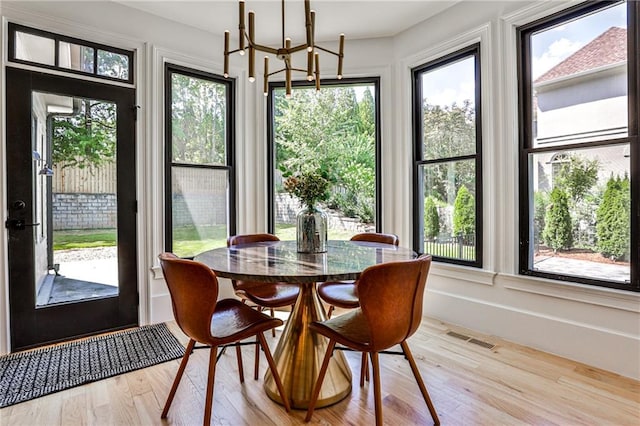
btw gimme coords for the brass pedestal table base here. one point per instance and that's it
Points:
(299, 354)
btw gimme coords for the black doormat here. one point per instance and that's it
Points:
(31, 374)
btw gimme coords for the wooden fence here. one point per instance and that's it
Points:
(89, 180)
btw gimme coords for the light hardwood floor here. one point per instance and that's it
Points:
(469, 384)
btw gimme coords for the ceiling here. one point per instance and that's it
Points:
(357, 19)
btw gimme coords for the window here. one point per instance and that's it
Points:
(199, 174)
(53, 51)
(579, 151)
(447, 158)
(335, 132)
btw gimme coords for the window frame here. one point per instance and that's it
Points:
(526, 138)
(271, 151)
(472, 50)
(169, 70)
(57, 38)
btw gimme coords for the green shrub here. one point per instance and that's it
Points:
(431, 218)
(557, 228)
(540, 201)
(613, 219)
(464, 212)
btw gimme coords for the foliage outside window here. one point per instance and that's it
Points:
(86, 137)
(448, 177)
(332, 133)
(199, 204)
(579, 132)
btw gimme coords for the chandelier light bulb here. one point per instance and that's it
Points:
(241, 53)
(252, 79)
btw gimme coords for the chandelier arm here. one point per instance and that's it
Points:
(265, 49)
(284, 69)
(326, 50)
(236, 50)
(276, 72)
(298, 48)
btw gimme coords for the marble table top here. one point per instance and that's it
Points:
(279, 261)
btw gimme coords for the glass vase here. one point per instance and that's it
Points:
(311, 231)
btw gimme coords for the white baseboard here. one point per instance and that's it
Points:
(601, 347)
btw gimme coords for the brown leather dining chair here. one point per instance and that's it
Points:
(262, 295)
(390, 312)
(343, 294)
(211, 322)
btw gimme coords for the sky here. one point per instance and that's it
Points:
(455, 82)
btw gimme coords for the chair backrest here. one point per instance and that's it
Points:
(391, 299)
(194, 292)
(376, 237)
(235, 240)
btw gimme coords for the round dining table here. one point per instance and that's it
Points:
(299, 352)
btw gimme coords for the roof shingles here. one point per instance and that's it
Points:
(608, 48)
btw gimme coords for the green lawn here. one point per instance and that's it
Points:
(187, 241)
(84, 238)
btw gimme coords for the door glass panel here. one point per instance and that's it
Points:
(34, 48)
(74, 153)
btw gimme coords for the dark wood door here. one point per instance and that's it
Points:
(34, 101)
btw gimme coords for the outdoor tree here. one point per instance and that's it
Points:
(448, 132)
(431, 218)
(577, 176)
(557, 228)
(539, 210)
(198, 120)
(85, 138)
(330, 131)
(613, 219)
(464, 213)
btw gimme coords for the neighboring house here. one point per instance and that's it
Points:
(592, 86)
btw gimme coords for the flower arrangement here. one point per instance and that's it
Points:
(309, 187)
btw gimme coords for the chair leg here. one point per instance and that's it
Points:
(176, 381)
(210, 381)
(319, 380)
(423, 388)
(364, 369)
(274, 372)
(257, 360)
(376, 387)
(240, 369)
(273, 330)
(331, 309)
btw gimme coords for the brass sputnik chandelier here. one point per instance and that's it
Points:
(284, 53)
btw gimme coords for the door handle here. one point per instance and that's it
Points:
(18, 224)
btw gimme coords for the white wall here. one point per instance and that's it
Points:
(597, 326)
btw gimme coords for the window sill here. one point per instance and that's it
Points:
(601, 296)
(464, 273)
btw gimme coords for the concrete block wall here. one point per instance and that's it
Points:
(84, 211)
